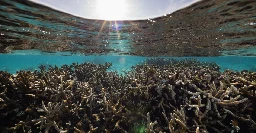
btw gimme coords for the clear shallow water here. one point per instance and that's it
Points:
(30, 60)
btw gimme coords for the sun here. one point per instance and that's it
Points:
(111, 9)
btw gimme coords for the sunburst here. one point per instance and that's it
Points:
(111, 9)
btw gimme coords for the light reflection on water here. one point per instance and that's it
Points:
(207, 28)
(202, 31)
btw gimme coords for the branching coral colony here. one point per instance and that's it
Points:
(160, 95)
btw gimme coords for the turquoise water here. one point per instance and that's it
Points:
(32, 35)
(30, 60)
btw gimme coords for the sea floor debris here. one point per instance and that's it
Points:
(160, 95)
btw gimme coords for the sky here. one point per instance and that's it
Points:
(117, 9)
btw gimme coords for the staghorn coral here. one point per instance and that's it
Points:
(52, 115)
(172, 96)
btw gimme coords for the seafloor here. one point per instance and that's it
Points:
(158, 95)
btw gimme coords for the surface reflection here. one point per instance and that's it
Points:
(206, 28)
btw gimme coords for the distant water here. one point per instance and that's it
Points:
(30, 60)
(217, 31)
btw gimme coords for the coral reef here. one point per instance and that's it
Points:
(159, 95)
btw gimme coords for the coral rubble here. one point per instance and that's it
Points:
(160, 95)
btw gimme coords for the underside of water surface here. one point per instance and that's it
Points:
(206, 28)
(189, 71)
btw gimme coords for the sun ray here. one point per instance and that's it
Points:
(113, 12)
(101, 28)
(117, 30)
